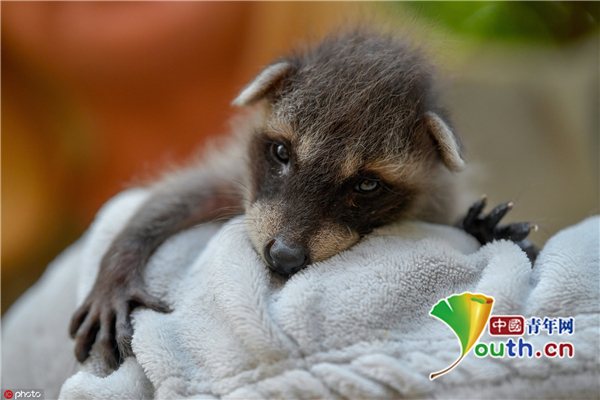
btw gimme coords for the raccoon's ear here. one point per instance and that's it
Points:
(447, 141)
(260, 86)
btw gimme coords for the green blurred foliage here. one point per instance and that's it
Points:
(552, 22)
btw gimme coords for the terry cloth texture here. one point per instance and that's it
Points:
(354, 326)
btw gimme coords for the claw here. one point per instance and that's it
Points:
(106, 316)
(533, 227)
(485, 228)
(77, 320)
(154, 303)
(514, 232)
(474, 211)
(124, 331)
(86, 336)
(107, 341)
(497, 214)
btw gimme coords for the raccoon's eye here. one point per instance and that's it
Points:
(280, 152)
(366, 186)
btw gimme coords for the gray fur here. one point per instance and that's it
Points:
(356, 106)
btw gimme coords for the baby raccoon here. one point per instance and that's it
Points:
(344, 137)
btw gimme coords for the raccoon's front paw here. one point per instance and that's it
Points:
(104, 315)
(485, 228)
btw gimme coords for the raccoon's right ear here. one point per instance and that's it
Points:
(447, 141)
(263, 84)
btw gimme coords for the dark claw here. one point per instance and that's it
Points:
(485, 228)
(474, 211)
(497, 214)
(106, 316)
(147, 300)
(124, 332)
(78, 319)
(513, 232)
(110, 352)
(86, 335)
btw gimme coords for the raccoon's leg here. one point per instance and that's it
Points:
(184, 199)
(485, 228)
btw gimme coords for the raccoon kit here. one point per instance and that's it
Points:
(342, 138)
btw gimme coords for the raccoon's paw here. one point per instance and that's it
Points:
(105, 315)
(485, 228)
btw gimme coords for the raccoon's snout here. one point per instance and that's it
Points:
(285, 260)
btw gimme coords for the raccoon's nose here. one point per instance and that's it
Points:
(285, 260)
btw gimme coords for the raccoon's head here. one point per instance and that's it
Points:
(351, 139)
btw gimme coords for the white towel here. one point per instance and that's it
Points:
(354, 326)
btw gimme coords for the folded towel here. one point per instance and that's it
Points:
(356, 325)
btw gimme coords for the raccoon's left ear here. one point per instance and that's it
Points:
(263, 84)
(447, 141)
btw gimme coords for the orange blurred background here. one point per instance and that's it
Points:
(97, 95)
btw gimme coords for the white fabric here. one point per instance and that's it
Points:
(354, 326)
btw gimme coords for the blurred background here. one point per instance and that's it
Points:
(98, 96)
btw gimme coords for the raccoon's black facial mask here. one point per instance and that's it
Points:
(307, 210)
(351, 139)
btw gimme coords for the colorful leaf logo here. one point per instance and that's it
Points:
(467, 314)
